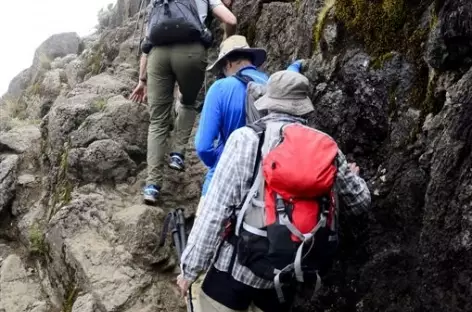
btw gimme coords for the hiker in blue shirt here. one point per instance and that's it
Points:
(224, 106)
(223, 109)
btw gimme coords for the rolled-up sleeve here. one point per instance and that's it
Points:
(214, 3)
(351, 188)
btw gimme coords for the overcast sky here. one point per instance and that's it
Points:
(25, 24)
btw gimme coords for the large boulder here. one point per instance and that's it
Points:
(101, 161)
(83, 239)
(58, 45)
(20, 139)
(120, 120)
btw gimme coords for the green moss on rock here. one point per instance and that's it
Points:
(382, 25)
(62, 193)
(36, 239)
(378, 62)
(320, 22)
(70, 297)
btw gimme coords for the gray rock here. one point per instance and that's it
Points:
(101, 161)
(82, 237)
(450, 42)
(58, 45)
(28, 192)
(120, 120)
(53, 82)
(20, 139)
(75, 72)
(103, 84)
(275, 22)
(19, 83)
(65, 116)
(85, 303)
(61, 62)
(138, 227)
(20, 292)
(122, 10)
(8, 177)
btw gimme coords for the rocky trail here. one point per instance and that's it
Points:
(392, 82)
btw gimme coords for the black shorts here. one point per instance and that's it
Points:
(223, 288)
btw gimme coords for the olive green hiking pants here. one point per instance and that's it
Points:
(166, 65)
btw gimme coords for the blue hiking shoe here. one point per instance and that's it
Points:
(151, 193)
(177, 161)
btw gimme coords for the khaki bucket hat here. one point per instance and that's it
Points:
(238, 43)
(287, 92)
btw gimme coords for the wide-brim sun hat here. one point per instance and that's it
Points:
(287, 92)
(238, 43)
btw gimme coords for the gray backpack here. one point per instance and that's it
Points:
(254, 91)
(176, 21)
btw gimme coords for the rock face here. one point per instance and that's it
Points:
(55, 46)
(19, 290)
(391, 82)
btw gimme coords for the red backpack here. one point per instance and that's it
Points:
(286, 227)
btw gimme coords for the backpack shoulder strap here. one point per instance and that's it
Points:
(259, 128)
(243, 78)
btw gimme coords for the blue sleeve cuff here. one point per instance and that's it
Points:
(294, 67)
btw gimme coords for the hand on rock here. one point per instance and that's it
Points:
(298, 65)
(354, 168)
(227, 2)
(139, 94)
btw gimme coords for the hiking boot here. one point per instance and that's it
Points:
(151, 193)
(177, 161)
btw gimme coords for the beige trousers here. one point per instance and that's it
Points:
(201, 302)
(206, 304)
(197, 285)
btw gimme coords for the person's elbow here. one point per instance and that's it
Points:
(205, 155)
(231, 20)
(225, 15)
(363, 202)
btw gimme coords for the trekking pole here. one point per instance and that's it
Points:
(142, 27)
(180, 224)
(141, 6)
(139, 15)
(176, 221)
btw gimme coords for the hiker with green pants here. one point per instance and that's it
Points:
(174, 50)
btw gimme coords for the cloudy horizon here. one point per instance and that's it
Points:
(24, 25)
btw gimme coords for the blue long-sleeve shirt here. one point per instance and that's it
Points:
(223, 112)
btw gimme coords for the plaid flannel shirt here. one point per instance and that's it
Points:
(230, 183)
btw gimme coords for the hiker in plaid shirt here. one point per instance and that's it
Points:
(239, 289)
